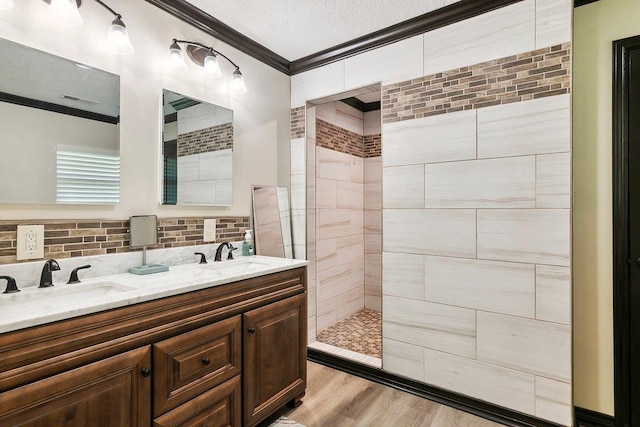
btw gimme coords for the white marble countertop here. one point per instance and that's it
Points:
(35, 306)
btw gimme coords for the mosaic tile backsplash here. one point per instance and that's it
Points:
(66, 239)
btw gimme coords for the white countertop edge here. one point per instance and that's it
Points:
(178, 280)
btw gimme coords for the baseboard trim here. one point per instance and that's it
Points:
(455, 400)
(588, 418)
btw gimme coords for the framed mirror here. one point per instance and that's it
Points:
(197, 152)
(272, 221)
(60, 133)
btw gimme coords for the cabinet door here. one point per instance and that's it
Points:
(218, 407)
(113, 392)
(274, 356)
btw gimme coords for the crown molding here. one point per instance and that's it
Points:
(447, 15)
(578, 3)
(456, 12)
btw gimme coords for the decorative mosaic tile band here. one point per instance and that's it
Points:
(336, 138)
(373, 145)
(65, 239)
(298, 119)
(215, 138)
(342, 140)
(522, 77)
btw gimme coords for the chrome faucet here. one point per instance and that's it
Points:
(45, 278)
(221, 247)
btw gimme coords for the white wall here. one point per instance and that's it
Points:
(261, 117)
(597, 25)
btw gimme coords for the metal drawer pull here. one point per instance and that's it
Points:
(251, 330)
(206, 360)
(146, 372)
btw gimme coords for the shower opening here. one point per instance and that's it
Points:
(344, 217)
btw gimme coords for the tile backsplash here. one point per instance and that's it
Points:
(75, 238)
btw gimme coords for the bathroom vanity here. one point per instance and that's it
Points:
(227, 347)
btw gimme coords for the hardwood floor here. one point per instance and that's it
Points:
(338, 399)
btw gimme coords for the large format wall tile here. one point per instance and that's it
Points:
(553, 401)
(334, 223)
(403, 187)
(553, 180)
(298, 159)
(317, 83)
(435, 326)
(491, 383)
(495, 34)
(403, 359)
(539, 236)
(446, 232)
(374, 65)
(403, 275)
(500, 287)
(553, 22)
(441, 138)
(493, 183)
(553, 294)
(532, 127)
(342, 115)
(532, 346)
(349, 195)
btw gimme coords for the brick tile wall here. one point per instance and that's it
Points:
(522, 77)
(215, 138)
(298, 119)
(344, 141)
(372, 145)
(65, 239)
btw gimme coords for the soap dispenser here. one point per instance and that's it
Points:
(247, 245)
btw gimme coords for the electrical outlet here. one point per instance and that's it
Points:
(210, 230)
(30, 242)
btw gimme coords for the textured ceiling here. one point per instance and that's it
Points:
(296, 28)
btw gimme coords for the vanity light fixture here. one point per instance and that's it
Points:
(6, 4)
(207, 58)
(66, 12)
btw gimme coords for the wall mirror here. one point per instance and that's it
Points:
(197, 152)
(60, 133)
(272, 221)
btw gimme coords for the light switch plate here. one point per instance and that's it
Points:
(30, 242)
(210, 230)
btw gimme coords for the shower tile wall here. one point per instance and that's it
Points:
(476, 203)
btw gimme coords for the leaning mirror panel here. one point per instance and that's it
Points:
(60, 133)
(197, 152)
(272, 221)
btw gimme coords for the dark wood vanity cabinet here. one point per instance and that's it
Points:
(229, 355)
(275, 373)
(113, 392)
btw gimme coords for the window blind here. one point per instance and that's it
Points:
(87, 177)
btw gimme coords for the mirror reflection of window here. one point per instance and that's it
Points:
(87, 176)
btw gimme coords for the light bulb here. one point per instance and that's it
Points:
(176, 59)
(211, 65)
(65, 12)
(237, 84)
(118, 38)
(6, 4)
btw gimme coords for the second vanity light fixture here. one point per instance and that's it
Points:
(206, 57)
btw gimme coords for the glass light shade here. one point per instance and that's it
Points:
(65, 12)
(118, 38)
(6, 4)
(237, 84)
(211, 65)
(176, 59)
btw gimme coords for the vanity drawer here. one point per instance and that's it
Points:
(191, 363)
(219, 407)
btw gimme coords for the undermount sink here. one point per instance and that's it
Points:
(33, 299)
(236, 266)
